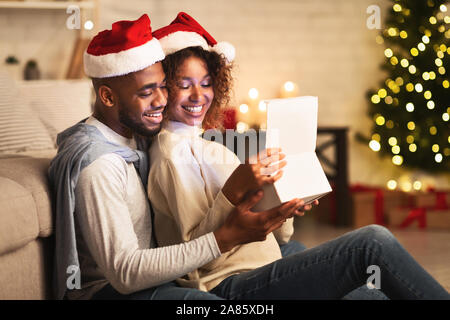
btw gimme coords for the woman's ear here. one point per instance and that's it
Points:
(106, 96)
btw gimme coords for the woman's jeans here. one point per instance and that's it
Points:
(333, 269)
(361, 293)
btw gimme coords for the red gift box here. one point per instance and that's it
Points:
(371, 204)
(429, 209)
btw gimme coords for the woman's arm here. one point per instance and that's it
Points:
(177, 192)
(285, 232)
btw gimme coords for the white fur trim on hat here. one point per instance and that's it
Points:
(123, 62)
(182, 39)
(225, 48)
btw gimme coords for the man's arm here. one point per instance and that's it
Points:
(107, 228)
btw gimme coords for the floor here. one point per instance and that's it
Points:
(430, 248)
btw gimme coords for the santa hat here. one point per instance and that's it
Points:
(185, 32)
(128, 47)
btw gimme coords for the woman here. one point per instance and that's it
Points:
(189, 190)
(189, 199)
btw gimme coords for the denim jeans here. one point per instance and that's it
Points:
(171, 291)
(167, 291)
(335, 268)
(361, 293)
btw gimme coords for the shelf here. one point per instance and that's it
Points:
(46, 4)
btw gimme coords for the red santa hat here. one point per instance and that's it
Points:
(128, 47)
(185, 32)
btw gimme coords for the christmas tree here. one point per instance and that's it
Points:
(411, 107)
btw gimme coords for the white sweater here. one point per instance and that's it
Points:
(187, 174)
(114, 228)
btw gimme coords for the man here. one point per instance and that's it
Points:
(104, 240)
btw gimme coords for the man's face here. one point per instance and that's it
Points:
(141, 101)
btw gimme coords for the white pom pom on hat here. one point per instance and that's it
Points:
(225, 48)
(185, 31)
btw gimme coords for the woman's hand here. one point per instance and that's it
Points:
(263, 168)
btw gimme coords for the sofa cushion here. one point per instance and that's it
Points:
(21, 129)
(18, 219)
(30, 183)
(26, 272)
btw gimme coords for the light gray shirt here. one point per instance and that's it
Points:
(114, 230)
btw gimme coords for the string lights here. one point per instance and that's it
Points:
(410, 109)
(252, 113)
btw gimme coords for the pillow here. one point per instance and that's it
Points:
(59, 104)
(20, 127)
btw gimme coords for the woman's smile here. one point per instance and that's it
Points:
(193, 109)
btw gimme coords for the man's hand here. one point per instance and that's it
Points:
(244, 226)
(254, 173)
(301, 211)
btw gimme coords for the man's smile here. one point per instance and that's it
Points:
(153, 116)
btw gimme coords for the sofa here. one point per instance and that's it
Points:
(31, 115)
(26, 229)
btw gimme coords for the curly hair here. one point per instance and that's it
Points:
(220, 72)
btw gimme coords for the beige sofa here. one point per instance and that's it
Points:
(31, 114)
(26, 229)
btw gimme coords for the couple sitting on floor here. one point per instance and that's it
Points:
(142, 214)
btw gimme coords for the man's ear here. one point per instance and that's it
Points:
(106, 96)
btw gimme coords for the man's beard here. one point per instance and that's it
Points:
(136, 125)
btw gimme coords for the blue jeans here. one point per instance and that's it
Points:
(361, 293)
(171, 291)
(334, 269)
(167, 291)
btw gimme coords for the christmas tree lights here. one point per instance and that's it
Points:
(411, 108)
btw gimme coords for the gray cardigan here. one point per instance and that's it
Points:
(79, 146)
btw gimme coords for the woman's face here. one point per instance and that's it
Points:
(192, 94)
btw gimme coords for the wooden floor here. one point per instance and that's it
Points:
(430, 248)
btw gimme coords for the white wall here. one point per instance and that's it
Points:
(323, 46)
(37, 34)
